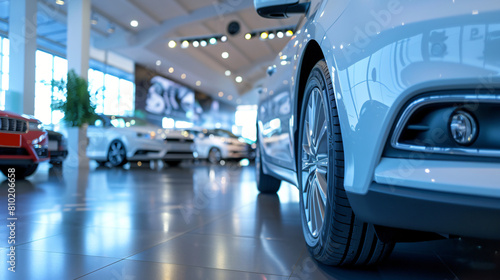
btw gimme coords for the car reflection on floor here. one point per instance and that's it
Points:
(196, 221)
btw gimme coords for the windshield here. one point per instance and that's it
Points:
(223, 133)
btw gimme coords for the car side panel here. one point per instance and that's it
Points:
(394, 50)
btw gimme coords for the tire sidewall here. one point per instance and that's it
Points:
(317, 79)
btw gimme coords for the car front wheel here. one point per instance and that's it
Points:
(334, 235)
(117, 155)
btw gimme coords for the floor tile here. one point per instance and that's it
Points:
(128, 269)
(36, 265)
(227, 252)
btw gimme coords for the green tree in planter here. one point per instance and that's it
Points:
(77, 108)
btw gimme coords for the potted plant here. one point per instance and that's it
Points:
(78, 113)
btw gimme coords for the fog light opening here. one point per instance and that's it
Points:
(463, 127)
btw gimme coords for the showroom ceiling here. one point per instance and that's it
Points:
(160, 21)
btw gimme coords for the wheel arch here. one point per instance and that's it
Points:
(311, 55)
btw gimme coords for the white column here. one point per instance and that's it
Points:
(78, 46)
(22, 35)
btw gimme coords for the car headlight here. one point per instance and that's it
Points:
(35, 126)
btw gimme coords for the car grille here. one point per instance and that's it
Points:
(13, 125)
(13, 152)
(179, 140)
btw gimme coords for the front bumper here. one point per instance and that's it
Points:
(425, 210)
(449, 197)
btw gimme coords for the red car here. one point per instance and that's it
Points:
(23, 144)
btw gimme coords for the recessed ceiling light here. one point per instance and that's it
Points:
(172, 44)
(221, 94)
(60, 2)
(158, 62)
(171, 70)
(94, 20)
(198, 83)
(228, 73)
(223, 38)
(289, 33)
(183, 76)
(280, 34)
(185, 44)
(225, 55)
(238, 79)
(134, 23)
(203, 43)
(248, 36)
(230, 97)
(264, 35)
(111, 28)
(196, 44)
(271, 36)
(213, 41)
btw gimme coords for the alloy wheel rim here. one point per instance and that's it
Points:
(116, 153)
(315, 163)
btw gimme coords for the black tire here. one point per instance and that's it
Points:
(342, 239)
(21, 171)
(173, 163)
(214, 156)
(117, 154)
(265, 183)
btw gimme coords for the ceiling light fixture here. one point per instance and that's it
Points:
(271, 36)
(203, 43)
(223, 38)
(225, 55)
(172, 44)
(228, 73)
(198, 83)
(196, 44)
(60, 2)
(111, 28)
(264, 35)
(171, 70)
(158, 62)
(134, 23)
(183, 76)
(230, 97)
(221, 94)
(94, 19)
(212, 41)
(185, 44)
(289, 33)
(248, 36)
(280, 34)
(238, 79)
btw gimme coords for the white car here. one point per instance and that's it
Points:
(120, 139)
(385, 114)
(217, 144)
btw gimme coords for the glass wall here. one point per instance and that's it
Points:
(110, 94)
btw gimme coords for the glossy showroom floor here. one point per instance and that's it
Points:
(191, 222)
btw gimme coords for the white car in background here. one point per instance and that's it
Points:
(218, 144)
(385, 114)
(117, 140)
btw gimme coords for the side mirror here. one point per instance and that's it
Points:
(279, 8)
